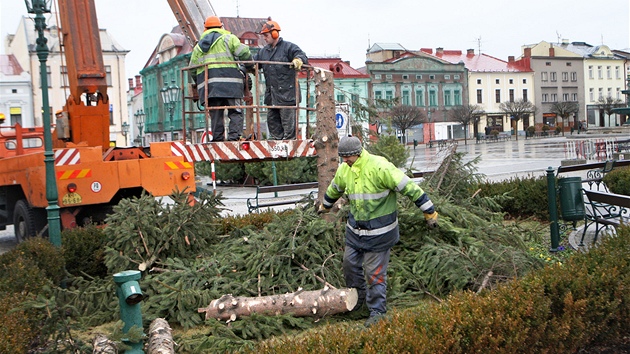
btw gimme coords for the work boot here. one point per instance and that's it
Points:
(373, 319)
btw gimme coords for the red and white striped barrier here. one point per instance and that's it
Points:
(244, 150)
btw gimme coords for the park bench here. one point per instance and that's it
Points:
(441, 143)
(596, 176)
(267, 196)
(604, 210)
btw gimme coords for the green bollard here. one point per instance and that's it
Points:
(129, 298)
(553, 209)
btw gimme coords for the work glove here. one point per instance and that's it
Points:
(432, 220)
(297, 64)
(322, 209)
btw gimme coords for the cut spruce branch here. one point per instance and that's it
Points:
(318, 303)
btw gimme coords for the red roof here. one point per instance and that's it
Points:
(339, 68)
(9, 65)
(479, 62)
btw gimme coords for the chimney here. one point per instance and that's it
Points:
(552, 52)
(527, 52)
(511, 59)
(439, 51)
(470, 52)
(138, 81)
(130, 84)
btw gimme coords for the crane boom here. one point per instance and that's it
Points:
(191, 15)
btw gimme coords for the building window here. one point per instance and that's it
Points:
(574, 97)
(432, 98)
(610, 92)
(617, 76)
(511, 93)
(565, 76)
(458, 97)
(388, 77)
(64, 76)
(341, 98)
(511, 81)
(447, 98)
(447, 77)
(389, 95)
(108, 74)
(455, 77)
(431, 77)
(608, 73)
(478, 81)
(552, 76)
(378, 95)
(568, 63)
(591, 94)
(418, 77)
(590, 71)
(524, 81)
(525, 95)
(600, 75)
(377, 76)
(565, 97)
(497, 81)
(543, 76)
(479, 96)
(405, 77)
(601, 92)
(573, 76)
(497, 96)
(14, 91)
(618, 93)
(406, 98)
(554, 97)
(548, 63)
(545, 97)
(420, 98)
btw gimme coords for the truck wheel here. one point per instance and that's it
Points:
(23, 221)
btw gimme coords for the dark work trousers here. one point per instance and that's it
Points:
(281, 123)
(359, 266)
(235, 128)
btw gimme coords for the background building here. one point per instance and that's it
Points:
(16, 99)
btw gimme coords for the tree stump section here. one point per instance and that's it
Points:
(160, 338)
(317, 303)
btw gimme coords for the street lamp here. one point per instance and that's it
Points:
(125, 131)
(140, 123)
(39, 8)
(170, 96)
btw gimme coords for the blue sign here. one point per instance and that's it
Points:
(339, 120)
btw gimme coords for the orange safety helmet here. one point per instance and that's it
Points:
(271, 26)
(213, 21)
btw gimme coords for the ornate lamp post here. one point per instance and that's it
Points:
(140, 123)
(39, 8)
(125, 131)
(170, 96)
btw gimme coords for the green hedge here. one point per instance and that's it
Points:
(526, 196)
(559, 309)
(618, 180)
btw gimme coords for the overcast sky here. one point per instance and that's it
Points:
(347, 27)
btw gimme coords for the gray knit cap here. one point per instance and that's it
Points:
(350, 146)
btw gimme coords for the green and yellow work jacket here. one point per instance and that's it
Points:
(371, 185)
(218, 49)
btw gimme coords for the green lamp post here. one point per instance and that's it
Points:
(170, 96)
(39, 8)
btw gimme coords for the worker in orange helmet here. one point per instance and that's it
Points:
(218, 49)
(280, 79)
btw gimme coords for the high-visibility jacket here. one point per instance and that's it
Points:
(371, 185)
(224, 80)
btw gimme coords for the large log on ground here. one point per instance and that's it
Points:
(160, 338)
(102, 345)
(317, 303)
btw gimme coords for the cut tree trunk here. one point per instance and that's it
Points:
(160, 338)
(325, 138)
(102, 345)
(317, 303)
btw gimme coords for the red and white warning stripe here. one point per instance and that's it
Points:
(66, 157)
(244, 150)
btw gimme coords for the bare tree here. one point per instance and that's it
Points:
(404, 117)
(466, 115)
(564, 110)
(606, 105)
(517, 110)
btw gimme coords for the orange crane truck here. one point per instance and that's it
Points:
(91, 176)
